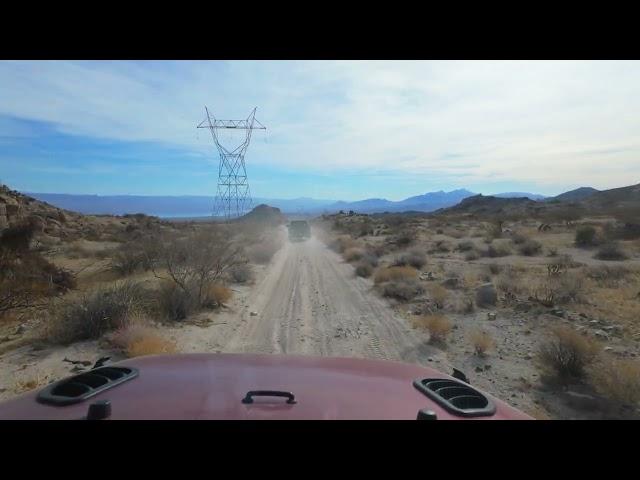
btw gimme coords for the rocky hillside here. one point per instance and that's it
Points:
(264, 215)
(49, 221)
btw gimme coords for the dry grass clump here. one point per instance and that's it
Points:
(138, 339)
(353, 254)
(438, 295)
(608, 275)
(495, 250)
(438, 326)
(216, 295)
(567, 353)
(388, 274)
(481, 342)
(471, 255)
(414, 258)
(342, 243)
(364, 269)
(611, 251)
(465, 305)
(465, 246)
(617, 380)
(440, 246)
(95, 313)
(530, 248)
(24, 384)
(403, 289)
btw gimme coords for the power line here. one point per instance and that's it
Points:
(233, 198)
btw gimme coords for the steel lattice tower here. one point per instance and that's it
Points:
(233, 198)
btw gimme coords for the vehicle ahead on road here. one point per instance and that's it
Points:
(299, 230)
(246, 386)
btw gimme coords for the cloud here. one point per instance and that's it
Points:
(548, 122)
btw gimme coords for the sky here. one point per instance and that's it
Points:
(342, 130)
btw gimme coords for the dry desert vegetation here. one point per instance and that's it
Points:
(74, 288)
(538, 304)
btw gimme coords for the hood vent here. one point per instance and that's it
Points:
(456, 397)
(85, 385)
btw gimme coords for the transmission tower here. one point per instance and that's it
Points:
(233, 198)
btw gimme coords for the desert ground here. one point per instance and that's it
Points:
(543, 314)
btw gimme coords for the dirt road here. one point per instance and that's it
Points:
(310, 302)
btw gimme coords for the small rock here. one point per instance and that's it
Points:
(253, 314)
(594, 322)
(608, 349)
(601, 334)
(491, 315)
(478, 369)
(558, 312)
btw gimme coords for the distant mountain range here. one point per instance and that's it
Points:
(192, 206)
(197, 206)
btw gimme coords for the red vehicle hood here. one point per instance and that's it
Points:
(212, 386)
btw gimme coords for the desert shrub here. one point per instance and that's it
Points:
(465, 246)
(395, 273)
(17, 237)
(175, 303)
(414, 258)
(611, 251)
(438, 295)
(494, 268)
(530, 248)
(510, 282)
(569, 287)
(215, 295)
(353, 254)
(496, 250)
(342, 243)
(137, 340)
(195, 261)
(608, 275)
(442, 246)
(519, 238)
(364, 269)
(481, 342)
(465, 305)
(402, 289)
(437, 325)
(27, 278)
(404, 238)
(617, 380)
(471, 255)
(125, 261)
(567, 353)
(98, 312)
(585, 236)
(240, 273)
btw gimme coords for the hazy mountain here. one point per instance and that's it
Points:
(574, 195)
(201, 206)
